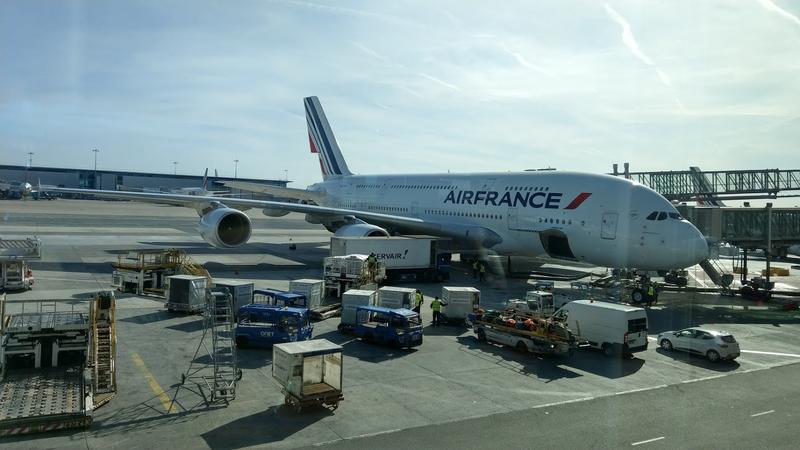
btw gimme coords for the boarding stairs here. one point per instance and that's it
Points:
(221, 374)
(103, 354)
(189, 267)
(716, 273)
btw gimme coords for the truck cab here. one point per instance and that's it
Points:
(538, 303)
(274, 297)
(398, 327)
(262, 325)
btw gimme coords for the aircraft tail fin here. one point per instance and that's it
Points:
(322, 141)
(205, 180)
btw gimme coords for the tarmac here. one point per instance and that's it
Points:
(451, 382)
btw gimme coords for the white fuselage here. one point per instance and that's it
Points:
(597, 219)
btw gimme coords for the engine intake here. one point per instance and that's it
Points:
(225, 227)
(361, 230)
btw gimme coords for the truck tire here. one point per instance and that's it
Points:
(481, 336)
(637, 296)
(241, 341)
(521, 347)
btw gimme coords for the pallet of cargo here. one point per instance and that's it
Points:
(326, 312)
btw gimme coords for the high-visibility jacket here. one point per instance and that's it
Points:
(483, 268)
(651, 291)
(420, 299)
(436, 305)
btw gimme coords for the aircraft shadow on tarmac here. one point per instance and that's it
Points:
(79, 267)
(153, 317)
(311, 250)
(275, 423)
(542, 367)
(700, 361)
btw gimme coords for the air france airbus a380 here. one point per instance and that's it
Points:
(597, 219)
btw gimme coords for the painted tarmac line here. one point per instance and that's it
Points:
(648, 441)
(763, 413)
(791, 355)
(154, 386)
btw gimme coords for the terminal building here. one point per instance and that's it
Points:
(119, 180)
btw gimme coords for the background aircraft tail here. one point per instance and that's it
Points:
(205, 180)
(322, 140)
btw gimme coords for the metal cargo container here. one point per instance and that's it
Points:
(314, 290)
(460, 302)
(396, 297)
(186, 293)
(353, 299)
(241, 291)
(309, 372)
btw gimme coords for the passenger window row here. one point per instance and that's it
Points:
(663, 215)
(463, 214)
(420, 186)
(528, 188)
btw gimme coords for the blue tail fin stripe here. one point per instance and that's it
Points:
(326, 144)
(322, 154)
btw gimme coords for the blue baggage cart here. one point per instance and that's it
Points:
(263, 325)
(398, 327)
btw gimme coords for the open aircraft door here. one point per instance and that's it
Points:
(608, 229)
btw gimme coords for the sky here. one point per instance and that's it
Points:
(408, 86)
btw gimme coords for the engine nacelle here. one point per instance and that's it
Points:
(269, 212)
(225, 227)
(361, 230)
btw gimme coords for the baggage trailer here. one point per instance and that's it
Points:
(282, 298)
(309, 373)
(407, 258)
(526, 334)
(396, 327)
(15, 275)
(44, 382)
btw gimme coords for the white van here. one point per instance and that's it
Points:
(616, 329)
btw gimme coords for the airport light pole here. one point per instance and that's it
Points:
(95, 151)
(235, 168)
(174, 167)
(286, 174)
(30, 159)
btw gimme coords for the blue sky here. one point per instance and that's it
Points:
(409, 86)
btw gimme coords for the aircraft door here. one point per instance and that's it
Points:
(512, 218)
(608, 229)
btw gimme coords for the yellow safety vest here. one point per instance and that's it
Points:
(651, 291)
(420, 299)
(436, 305)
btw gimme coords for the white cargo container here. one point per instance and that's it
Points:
(241, 291)
(353, 299)
(460, 301)
(309, 372)
(396, 297)
(186, 293)
(313, 290)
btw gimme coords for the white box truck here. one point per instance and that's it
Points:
(406, 258)
(396, 297)
(614, 328)
(350, 301)
(459, 301)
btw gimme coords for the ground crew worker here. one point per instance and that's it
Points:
(372, 262)
(418, 300)
(475, 269)
(482, 270)
(436, 306)
(651, 294)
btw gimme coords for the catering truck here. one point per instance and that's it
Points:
(406, 258)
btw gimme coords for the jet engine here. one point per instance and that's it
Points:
(225, 227)
(361, 230)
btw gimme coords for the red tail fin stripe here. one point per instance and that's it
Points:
(578, 200)
(322, 166)
(311, 143)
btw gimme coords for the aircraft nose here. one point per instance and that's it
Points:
(698, 246)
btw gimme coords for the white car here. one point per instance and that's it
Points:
(712, 344)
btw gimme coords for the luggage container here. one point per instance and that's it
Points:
(459, 301)
(241, 291)
(396, 297)
(186, 293)
(351, 300)
(312, 289)
(309, 372)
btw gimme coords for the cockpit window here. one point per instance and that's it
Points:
(675, 216)
(662, 215)
(652, 215)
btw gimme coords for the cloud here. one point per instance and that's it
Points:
(772, 7)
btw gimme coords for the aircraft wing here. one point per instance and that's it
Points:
(411, 225)
(278, 191)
